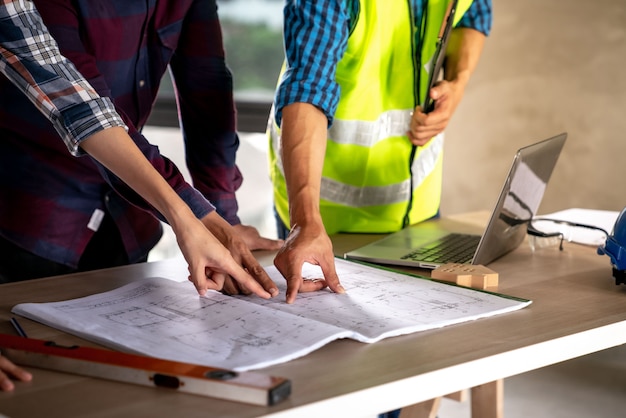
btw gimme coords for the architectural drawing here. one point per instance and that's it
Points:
(167, 319)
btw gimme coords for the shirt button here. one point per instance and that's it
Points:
(142, 83)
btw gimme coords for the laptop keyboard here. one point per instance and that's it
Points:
(452, 248)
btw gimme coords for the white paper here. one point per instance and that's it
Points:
(167, 319)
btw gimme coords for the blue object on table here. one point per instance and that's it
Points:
(615, 248)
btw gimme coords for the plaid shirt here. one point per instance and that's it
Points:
(30, 58)
(47, 197)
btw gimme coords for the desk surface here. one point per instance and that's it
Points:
(577, 310)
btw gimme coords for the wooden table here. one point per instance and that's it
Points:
(577, 310)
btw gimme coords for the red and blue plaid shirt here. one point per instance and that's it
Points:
(123, 48)
(31, 59)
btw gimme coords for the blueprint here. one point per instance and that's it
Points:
(167, 319)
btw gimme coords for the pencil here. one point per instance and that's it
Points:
(18, 328)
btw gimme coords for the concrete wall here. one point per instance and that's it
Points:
(549, 66)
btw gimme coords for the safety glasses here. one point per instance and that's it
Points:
(544, 232)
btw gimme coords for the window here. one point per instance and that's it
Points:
(252, 31)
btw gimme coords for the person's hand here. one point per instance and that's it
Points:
(211, 263)
(234, 241)
(254, 240)
(8, 370)
(425, 126)
(307, 244)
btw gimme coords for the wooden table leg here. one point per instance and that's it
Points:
(426, 409)
(488, 400)
(460, 396)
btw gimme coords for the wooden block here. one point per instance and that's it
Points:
(476, 276)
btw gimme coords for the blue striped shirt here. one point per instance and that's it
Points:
(316, 35)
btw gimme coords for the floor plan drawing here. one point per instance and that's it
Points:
(167, 319)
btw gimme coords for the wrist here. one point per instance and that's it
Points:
(305, 215)
(460, 78)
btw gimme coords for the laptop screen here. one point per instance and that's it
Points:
(519, 199)
(430, 244)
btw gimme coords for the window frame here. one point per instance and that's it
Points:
(252, 115)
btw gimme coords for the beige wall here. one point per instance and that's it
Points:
(549, 66)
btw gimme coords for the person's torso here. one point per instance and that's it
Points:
(373, 179)
(48, 197)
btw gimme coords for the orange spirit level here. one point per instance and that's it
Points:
(248, 387)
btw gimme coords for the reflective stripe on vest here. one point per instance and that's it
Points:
(344, 194)
(369, 133)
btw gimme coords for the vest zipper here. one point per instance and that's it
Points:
(417, 60)
(406, 220)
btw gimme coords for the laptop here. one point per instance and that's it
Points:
(432, 243)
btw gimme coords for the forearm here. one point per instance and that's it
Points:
(304, 133)
(464, 50)
(210, 262)
(114, 149)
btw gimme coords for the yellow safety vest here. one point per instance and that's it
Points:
(373, 179)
